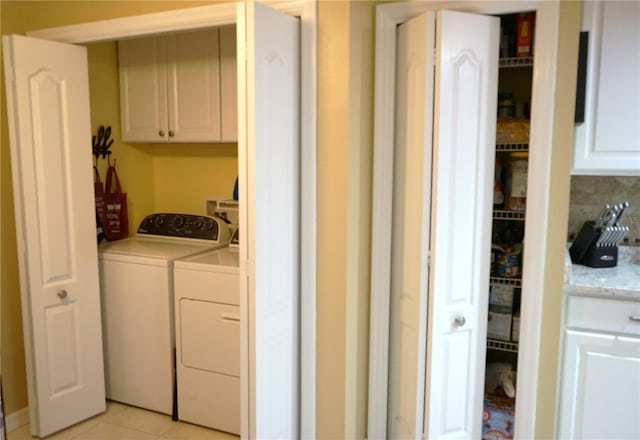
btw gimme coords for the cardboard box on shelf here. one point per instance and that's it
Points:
(499, 323)
(501, 295)
(525, 28)
(515, 328)
(512, 131)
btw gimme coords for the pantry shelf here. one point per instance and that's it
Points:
(516, 282)
(509, 147)
(499, 214)
(496, 344)
(515, 62)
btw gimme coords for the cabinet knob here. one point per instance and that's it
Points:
(634, 318)
(171, 134)
(459, 321)
(62, 294)
(161, 133)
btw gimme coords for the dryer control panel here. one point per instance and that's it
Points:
(201, 227)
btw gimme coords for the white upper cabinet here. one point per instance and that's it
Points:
(608, 141)
(179, 88)
(229, 81)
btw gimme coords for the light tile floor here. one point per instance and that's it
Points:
(122, 422)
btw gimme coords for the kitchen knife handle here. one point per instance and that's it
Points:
(624, 206)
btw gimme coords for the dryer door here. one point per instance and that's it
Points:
(210, 336)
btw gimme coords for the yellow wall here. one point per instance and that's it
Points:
(134, 162)
(361, 80)
(333, 159)
(186, 174)
(13, 365)
(558, 207)
(345, 132)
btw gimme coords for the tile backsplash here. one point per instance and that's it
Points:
(590, 193)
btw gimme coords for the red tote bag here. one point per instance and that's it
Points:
(115, 219)
(98, 193)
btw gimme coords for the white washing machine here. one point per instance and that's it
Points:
(207, 295)
(136, 285)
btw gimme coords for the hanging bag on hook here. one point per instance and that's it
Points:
(115, 222)
(98, 193)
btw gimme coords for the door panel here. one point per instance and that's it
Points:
(52, 157)
(464, 145)
(193, 86)
(62, 347)
(49, 127)
(411, 227)
(143, 89)
(269, 183)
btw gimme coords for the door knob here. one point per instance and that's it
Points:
(459, 321)
(62, 294)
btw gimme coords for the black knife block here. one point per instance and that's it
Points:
(585, 252)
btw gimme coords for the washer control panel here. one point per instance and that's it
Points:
(202, 227)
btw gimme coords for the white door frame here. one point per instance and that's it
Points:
(223, 14)
(388, 16)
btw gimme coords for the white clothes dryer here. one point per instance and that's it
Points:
(136, 285)
(207, 304)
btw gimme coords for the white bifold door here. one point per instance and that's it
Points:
(48, 112)
(447, 74)
(269, 158)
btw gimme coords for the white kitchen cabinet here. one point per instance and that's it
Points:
(601, 370)
(179, 87)
(229, 84)
(608, 141)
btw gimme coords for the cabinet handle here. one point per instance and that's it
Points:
(171, 134)
(62, 294)
(634, 318)
(161, 133)
(230, 317)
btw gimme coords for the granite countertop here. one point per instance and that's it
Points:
(622, 281)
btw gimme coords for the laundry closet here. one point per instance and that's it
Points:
(186, 142)
(174, 346)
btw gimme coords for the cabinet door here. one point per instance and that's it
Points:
(600, 384)
(143, 89)
(608, 142)
(194, 86)
(228, 85)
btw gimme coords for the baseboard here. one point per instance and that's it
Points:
(17, 419)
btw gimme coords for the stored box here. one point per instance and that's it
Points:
(499, 323)
(515, 330)
(525, 28)
(501, 295)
